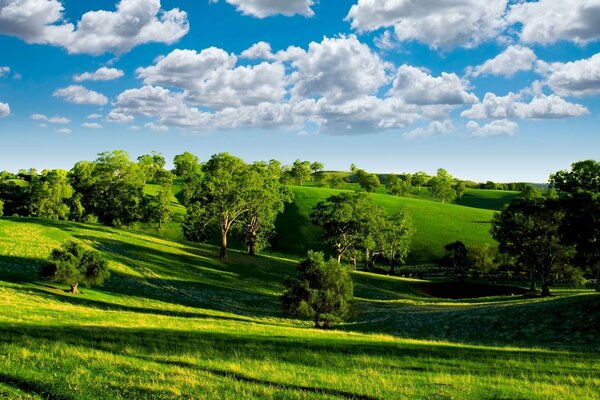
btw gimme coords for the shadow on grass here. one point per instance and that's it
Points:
(32, 387)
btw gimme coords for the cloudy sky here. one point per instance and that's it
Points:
(497, 89)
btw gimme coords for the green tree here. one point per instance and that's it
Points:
(457, 253)
(529, 231)
(483, 259)
(368, 182)
(150, 164)
(49, 194)
(300, 171)
(161, 211)
(584, 176)
(228, 190)
(441, 186)
(316, 167)
(397, 238)
(258, 224)
(460, 188)
(419, 179)
(185, 163)
(112, 188)
(322, 290)
(344, 218)
(73, 265)
(335, 181)
(398, 187)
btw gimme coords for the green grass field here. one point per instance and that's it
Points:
(436, 224)
(173, 321)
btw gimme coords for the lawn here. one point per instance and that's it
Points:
(173, 321)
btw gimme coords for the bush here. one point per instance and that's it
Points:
(323, 290)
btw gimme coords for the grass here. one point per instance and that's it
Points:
(436, 224)
(173, 321)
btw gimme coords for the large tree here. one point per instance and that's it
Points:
(529, 231)
(49, 194)
(258, 224)
(185, 163)
(441, 186)
(322, 290)
(228, 190)
(73, 264)
(151, 164)
(344, 218)
(397, 238)
(368, 182)
(300, 171)
(161, 210)
(581, 185)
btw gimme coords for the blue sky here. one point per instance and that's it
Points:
(500, 90)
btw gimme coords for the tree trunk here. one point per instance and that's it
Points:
(317, 322)
(532, 285)
(74, 288)
(252, 244)
(598, 276)
(339, 256)
(545, 284)
(223, 253)
(367, 258)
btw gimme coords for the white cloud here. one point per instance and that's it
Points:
(549, 21)
(338, 69)
(260, 50)
(4, 71)
(500, 127)
(65, 131)
(434, 128)
(512, 60)
(541, 106)
(91, 125)
(156, 128)
(4, 110)
(267, 8)
(134, 22)
(94, 116)
(79, 95)
(578, 78)
(438, 23)
(57, 119)
(102, 74)
(415, 86)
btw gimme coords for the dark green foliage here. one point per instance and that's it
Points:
(72, 264)
(584, 176)
(196, 224)
(1, 208)
(529, 231)
(323, 290)
(456, 255)
(397, 238)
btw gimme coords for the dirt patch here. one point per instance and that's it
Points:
(465, 290)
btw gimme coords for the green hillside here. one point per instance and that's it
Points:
(436, 224)
(174, 321)
(487, 199)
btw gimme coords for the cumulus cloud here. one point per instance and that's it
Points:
(267, 8)
(434, 128)
(578, 78)
(541, 106)
(57, 119)
(65, 131)
(80, 95)
(500, 127)
(4, 110)
(438, 23)
(134, 22)
(512, 60)
(549, 21)
(91, 125)
(416, 86)
(94, 116)
(102, 74)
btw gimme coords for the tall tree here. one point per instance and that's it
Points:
(161, 210)
(150, 164)
(301, 171)
(185, 163)
(397, 238)
(441, 186)
(322, 290)
(529, 230)
(49, 194)
(227, 192)
(460, 188)
(419, 179)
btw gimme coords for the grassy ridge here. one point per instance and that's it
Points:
(436, 224)
(174, 321)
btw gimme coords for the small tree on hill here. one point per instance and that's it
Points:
(185, 163)
(460, 188)
(397, 238)
(72, 264)
(368, 182)
(300, 171)
(322, 290)
(419, 179)
(441, 186)
(161, 212)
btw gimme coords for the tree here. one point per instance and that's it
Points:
(397, 238)
(322, 290)
(335, 181)
(483, 259)
(150, 164)
(1, 208)
(368, 182)
(460, 188)
(582, 205)
(72, 264)
(419, 179)
(49, 193)
(300, 171)
(457, 253)
(228, 191)
(161, 212)
(259, 222)
(185, 163)
(375, 226)
(441, 186)
(344, 218)
(398, 187)
(316, 167)
(112, 188)
(529, 231)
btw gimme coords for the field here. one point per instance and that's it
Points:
(436, 224)
(174, 321)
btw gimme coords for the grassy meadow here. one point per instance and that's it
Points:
(173, 321)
